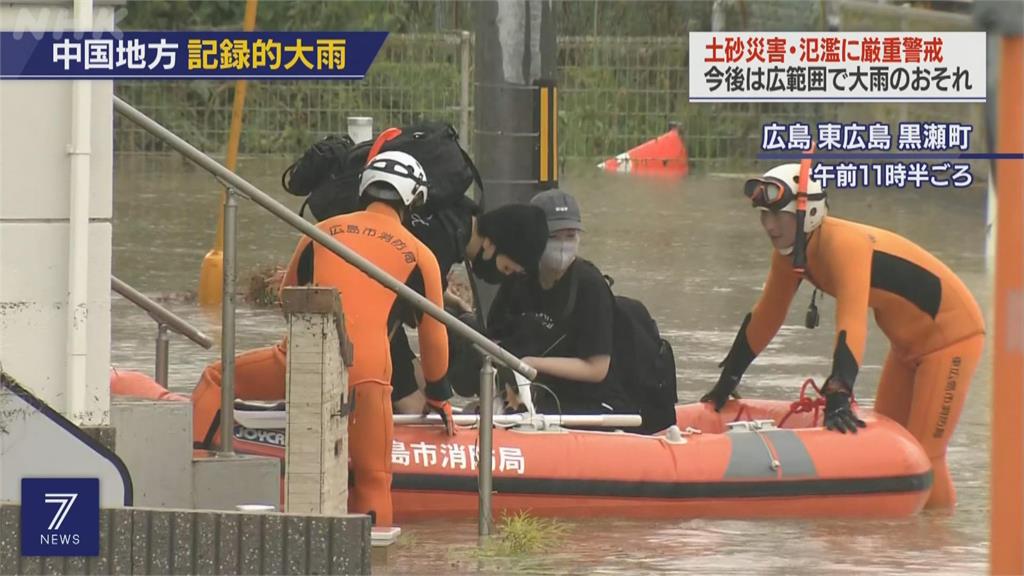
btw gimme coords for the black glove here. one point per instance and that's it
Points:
(725, 387)
(735, 364)
(839, 415)
(438, 394)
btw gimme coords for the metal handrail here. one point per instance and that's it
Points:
(165, 320)
(160, 314)
(242, 186)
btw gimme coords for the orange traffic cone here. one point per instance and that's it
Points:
(664, 156)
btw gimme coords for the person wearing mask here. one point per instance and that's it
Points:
(934, 326)
(505, 241)
(560, 320)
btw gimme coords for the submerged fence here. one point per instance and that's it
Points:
(615, 91)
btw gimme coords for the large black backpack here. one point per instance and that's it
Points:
(646, 364)
(328, 173)
(322, 174)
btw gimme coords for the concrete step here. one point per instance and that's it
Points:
(226, 482)
(154, 439)
(383, 536)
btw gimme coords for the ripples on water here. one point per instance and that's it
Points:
(695, 254)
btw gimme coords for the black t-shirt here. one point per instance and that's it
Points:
(574, 319)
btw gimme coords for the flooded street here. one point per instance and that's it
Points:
(694, 252)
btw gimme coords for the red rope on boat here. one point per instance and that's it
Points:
(805, 404)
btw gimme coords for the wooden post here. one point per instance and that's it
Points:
(316, 439)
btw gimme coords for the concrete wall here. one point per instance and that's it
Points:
(140, 541)
(35, 131)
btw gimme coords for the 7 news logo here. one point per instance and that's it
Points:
(60, 517)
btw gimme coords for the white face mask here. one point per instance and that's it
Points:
(559, 254)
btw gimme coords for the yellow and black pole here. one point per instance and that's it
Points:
(211, 274)
(546, 117)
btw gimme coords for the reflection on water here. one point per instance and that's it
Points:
(926, 544)
(694, 252)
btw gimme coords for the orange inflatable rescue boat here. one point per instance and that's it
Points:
(757, 458)
(749, 471)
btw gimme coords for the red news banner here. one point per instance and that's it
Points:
(840, 66)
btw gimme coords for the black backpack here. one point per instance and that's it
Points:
(646, 364)
(328, 173)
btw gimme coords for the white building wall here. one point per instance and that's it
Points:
(35, 134)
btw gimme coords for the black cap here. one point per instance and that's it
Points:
(560, 208)
(519, 231)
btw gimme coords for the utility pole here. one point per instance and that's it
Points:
(516, 48)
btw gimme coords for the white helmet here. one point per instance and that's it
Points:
(776, 190)
(406, 179)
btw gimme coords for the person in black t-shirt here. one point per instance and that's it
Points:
(561, 320)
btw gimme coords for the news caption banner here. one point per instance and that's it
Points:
(945, 142)
(188, 55)
(851, 155)
(837, 66)
(60, 517)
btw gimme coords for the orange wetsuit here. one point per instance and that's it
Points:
(934, 325)
(259, 375)
(378, 235)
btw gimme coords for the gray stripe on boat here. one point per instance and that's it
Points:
(749, 458)
(792, 453)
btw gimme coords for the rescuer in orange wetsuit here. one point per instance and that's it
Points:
(392, 183)
(935, 327)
